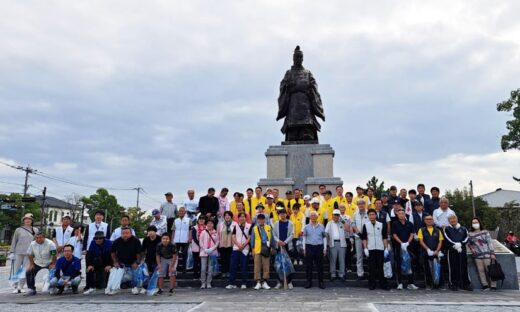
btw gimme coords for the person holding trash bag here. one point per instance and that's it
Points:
(22, 238)
(126, 254)
(482, 249)
(457, 237)
(42, 255)
(375, 244)
(99, 263)
(431, 240)
(68, 272)
(283, 233)
(166, 262)
(402, 235)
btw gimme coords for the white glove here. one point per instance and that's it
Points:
(207, 251)
(430, 252)
(404, 245)
(366, 252)
(415, 237)
(459, 250)
(457, 246)
(441, 254)
(386, 253)
(11, 256)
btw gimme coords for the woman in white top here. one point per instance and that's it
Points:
(77, 240)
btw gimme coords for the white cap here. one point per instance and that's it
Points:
(315, 201)
(269, 196)
(336, 212)
(307, 197)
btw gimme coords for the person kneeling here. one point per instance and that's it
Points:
(376, 249)
(68, 272)
(126, 254)
(166, 262)
(98, 262)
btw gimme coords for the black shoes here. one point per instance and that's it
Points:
(308, 285)
(321, 285)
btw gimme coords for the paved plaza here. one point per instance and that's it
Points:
(298, 299)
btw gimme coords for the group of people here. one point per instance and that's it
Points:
(414, 231)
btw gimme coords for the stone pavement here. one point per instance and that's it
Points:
(298, 299)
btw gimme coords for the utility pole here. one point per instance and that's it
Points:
(138, 189)
(43, 207)
(28, 170)
(472, 197)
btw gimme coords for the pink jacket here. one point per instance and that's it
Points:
(239, 236)
(208, 243)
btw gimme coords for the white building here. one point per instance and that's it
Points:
(501, 197)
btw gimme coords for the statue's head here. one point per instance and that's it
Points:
(298, 56)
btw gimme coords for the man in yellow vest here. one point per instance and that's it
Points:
(371, 199)
(328, 203)
(350, 205)
(249, 206)
(297, 199)
(288, 198)
(360, 195)
(258, 198)
(339, 199)
(269, 204)
(261, 236)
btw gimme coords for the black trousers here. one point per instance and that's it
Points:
(428, 267)
(458, 268)
(225, 258)
(418, 257)
(97, 279)
(294, 253)
(397, 260)
(182, 249)
(196, 265)
(348, 255)
(314, 257)
(376, 260)
(31, 275)
(169, 224)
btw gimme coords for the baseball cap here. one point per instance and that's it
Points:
(155, 212)
(336, 212)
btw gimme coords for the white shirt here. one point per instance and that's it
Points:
(359, 220)
(191, 205)
(117, 233)
(161, 225)
(335, 230)
(42, 253)
(440, 217)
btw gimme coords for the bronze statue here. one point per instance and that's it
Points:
(300, 103)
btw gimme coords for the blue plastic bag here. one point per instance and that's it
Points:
(299, 246)
(406, 263)
(152, 284)
(387, 266)
(140, 275)
(16, 276)
(436, 268)
(189, 259)
(283, 264)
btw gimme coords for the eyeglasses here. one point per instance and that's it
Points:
(99, 238)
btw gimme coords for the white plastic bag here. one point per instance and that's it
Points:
(114, 281)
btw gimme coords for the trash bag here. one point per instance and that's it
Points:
(387, 266)
(299, 246)
(436, 271)
(189, 259)
(213, 262)
(283, 264)
(140, 275)
(406, 263)
(114, 281)
(152, 288)
(16, 276)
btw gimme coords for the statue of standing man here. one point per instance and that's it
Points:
(300, 103)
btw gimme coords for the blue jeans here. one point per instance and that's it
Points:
(237, 256)
(132, 276)
(55, 282)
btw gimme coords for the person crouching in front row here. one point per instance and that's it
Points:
(375, 246)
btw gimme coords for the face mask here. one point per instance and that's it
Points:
(476, 226)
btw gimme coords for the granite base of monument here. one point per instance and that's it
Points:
(303, 166)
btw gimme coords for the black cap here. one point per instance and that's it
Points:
(259, 205)
(99, 234)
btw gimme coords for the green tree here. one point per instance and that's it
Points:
(102, 200)
(511, 140)
(460, 202)
(138, 220)
(12, 218)
(378, 188)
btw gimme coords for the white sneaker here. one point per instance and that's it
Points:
(301, 262)
(290, 286)
(412, 287)
(230, 286)
(90, 291)
(265, 286)
(135, 291)
(278, 286)
(400, 287)
(143, 291)
(243, 286)
(202, 286)
(16, 291)
(258, 286)
(208, 286)
(107, 291)
(295, 262)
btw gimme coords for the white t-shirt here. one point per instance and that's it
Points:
(42, 253)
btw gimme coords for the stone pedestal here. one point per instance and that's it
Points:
(303, 166)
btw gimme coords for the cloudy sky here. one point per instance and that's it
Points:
(177, 94)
